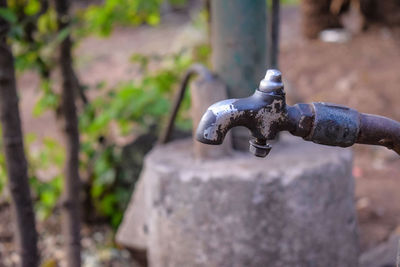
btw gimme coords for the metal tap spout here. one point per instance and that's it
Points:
(260, 113)
(263, 113)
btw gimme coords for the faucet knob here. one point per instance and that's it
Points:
(272, 82)
(259, 150)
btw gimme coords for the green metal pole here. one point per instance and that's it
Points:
(239, 48)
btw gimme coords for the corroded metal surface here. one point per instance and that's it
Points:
(265, 113)
(334, 125)
(378, 130)
(261, 113)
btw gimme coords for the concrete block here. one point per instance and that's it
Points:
(133, 229)
(293, 208)
(204, 93)
(386, 254)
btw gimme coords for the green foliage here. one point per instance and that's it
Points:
(285, 2)
(34, 38)
(47, 195)
(32, 7)
(108, 197)
(134, 106)
(126, 110)
(46, 160)
(130, 108)
(9, 15)
(44, 171)
(49, 100)
(33, 34)
(101, 19)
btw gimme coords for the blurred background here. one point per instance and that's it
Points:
(128, 57)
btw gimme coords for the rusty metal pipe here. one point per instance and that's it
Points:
(336, 125)
(378, 130)
(265, 114)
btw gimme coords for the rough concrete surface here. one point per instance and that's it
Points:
(386, 254)
(294, 208)
(205, 92)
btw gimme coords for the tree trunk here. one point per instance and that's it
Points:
(26, 235)
(72, 186)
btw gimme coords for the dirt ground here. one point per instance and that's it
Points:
(362, 73)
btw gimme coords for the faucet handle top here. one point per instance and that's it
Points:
(272, 82)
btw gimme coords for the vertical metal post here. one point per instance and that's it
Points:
(273, 36)
(239, 48)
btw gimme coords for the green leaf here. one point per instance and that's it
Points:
(63, 34)
(153, 19)
(107, 204)
(32, 7)
(116, 219)
(47, 23)
(8, 15)
(48, 198)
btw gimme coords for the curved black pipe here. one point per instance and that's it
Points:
(195, 69)
(378, 130)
